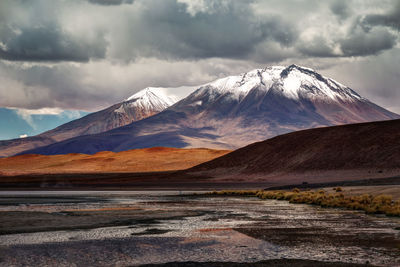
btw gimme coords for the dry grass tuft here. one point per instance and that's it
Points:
(382, 204)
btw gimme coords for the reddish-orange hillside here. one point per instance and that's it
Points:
(137, 160)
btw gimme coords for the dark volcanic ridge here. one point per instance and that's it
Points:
(350, 151)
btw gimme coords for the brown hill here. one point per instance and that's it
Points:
(355, 151)
(137, 160)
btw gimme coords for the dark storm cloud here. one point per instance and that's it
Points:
(356, 43)
(90, 54)
(182, 29)
(166, 29)
(390, 19)
(49, 43)
(373, 41)
(110, 2)
(227, 29)
(341, 8)
(360, 39)
(34, 31)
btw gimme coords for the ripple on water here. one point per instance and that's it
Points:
(154, 228)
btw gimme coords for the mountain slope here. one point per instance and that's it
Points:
(355, 150)
(143, 104)
(237, 110)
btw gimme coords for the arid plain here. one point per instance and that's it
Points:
(154, 159)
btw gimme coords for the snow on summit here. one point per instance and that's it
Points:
(155, 98)
(293, 82)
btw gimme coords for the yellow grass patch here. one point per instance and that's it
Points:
(383, 204)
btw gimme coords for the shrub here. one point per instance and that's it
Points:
(368, 203)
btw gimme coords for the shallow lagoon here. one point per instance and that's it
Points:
(104, 228)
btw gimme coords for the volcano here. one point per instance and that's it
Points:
(143, 104)
(235, 111)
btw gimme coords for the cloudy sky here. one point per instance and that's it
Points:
(86, 55)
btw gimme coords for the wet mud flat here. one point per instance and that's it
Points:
(169, 229)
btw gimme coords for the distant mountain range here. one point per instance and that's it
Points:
(228, 113)
(143, 104)
(339, 153)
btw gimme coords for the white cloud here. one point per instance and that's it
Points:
(26, 114)
(41, 111)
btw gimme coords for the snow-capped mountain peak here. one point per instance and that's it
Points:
(243, 83)
(293, 82)
(152, 93)
(226, 113)
(301, 82)
(154, 98)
